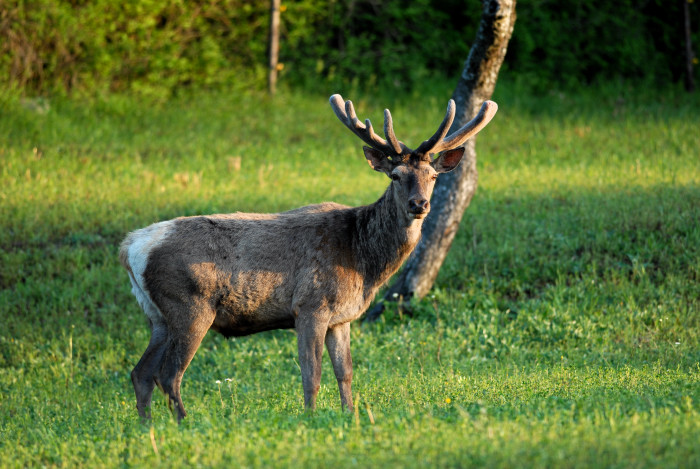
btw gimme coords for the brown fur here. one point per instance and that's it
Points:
(245, 273)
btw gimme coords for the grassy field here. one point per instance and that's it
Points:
(563, 330)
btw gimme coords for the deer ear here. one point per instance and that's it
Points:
(378, 160)
(448, 160)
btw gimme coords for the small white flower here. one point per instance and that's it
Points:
(229, 379)
(678, 343)
(218, 381)
(395, 295)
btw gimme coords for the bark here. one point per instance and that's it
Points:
(274, 45)
(454, 190)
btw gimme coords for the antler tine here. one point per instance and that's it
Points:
(339, 109)
(429, 145)
(389, 132)
(346, 113)
(373, 135)
(471, 128)
(350, 112)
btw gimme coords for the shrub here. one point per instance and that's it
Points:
(158, 46)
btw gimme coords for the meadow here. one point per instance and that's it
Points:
(563, 330)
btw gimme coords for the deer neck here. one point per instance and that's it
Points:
(386, 236)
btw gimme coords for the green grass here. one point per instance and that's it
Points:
(562, 332)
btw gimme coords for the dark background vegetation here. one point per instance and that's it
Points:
(157, 46)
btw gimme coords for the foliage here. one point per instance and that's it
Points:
(147, 46)
(574, 43)
(562, 332)
(156, 47)
(395, 44)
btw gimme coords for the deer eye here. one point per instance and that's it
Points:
(395, 176)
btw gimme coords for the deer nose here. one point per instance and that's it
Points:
(418, 206)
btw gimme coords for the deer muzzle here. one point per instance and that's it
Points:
(419, 207)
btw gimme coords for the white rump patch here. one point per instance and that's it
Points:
(140, 244)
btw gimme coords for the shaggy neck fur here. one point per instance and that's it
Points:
(385, 237)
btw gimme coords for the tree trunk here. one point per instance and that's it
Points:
(274, 45)
(689, 55)
(454, 190)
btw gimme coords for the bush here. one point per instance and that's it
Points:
(570, 43)
(148, 46)
(155, 47)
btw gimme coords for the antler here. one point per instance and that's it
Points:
(438, 142)
(426, 147)
(391, 147)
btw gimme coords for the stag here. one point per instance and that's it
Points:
(314, 269)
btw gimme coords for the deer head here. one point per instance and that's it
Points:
(413, 172)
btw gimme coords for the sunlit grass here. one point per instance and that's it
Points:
(562, 330)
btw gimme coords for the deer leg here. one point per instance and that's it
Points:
(144, 372)
(310, 335)
(181, 347)
(338, 344)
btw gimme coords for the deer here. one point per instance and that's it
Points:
(314, 269)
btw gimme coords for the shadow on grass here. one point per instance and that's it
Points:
(520, 246)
